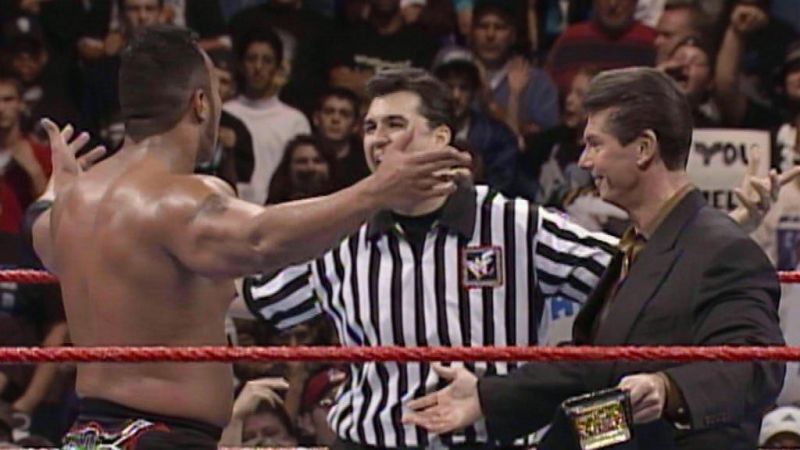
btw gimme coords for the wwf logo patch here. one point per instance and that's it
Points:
(482, 267)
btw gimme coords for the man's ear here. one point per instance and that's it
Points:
(200, 106)
(315, 119)
(646, 149)
(442, 135)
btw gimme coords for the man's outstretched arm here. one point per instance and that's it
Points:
(217, 235)
(66, 167)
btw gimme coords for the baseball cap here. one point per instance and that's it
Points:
(318, 385)
(785, 419)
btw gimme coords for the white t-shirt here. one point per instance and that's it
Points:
(272, 124)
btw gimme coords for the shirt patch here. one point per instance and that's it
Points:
(482, 266)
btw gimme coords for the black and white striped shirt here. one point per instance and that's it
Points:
(481, 278)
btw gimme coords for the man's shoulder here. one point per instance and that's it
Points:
(290, 113)
(177, 197)
(713, 231)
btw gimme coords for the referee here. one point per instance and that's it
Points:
(470, 269)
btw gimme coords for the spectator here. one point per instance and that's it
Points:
(381, 40)
(691, 65)
(781, 428)
(259, 417)
(45, 90)
(337, 124)
(234, 137)
(29, 315)
(779, 235)
(520, 94)
(304, 34)
(318, 396)
(435, 17)
(268, 426)
(204, 17)
(680, 19)
(548, 167)
(271, 123)
(24, 164)
(100, 107)
(554, 16)
(612, 39)
(753, 45)
(488, 139)
(306, 170)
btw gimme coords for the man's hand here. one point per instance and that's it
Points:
(256, 391)
(748, 18)
(403, 179)
(756, 195)
(519, 73)
(451, 408)
(648, 393)
(66, 166)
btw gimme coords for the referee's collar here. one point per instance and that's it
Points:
(458, 214)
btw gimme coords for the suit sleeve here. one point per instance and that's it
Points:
(528, 398)
(736, 304)
(283, 299)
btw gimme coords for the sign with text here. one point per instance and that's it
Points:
(718, 162)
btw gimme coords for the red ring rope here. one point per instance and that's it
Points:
(28, 276)
(394, 354)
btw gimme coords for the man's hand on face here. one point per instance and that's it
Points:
(405, 178)
(449, 409)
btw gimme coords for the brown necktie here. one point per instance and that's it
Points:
(631, 244)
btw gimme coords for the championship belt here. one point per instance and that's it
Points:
(600, 419)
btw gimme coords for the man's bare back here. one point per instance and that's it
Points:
(123, 287)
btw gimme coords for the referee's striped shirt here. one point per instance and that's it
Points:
(481, 278)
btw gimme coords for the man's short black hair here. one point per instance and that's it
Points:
(641, 99)
(264, 35)
(507, 9)
(436, 100)
(160, 69)
(9, 78)
(460, 68)
(339, 92)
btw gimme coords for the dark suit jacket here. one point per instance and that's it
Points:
(700, 280)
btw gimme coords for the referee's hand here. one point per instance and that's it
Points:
(449, 409)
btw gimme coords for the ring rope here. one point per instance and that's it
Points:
(396, 354)
(29, 276)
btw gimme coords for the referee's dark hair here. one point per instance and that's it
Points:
(160, 69)
(641, 99)
(436, 100)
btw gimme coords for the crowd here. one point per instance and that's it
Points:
(293, 76)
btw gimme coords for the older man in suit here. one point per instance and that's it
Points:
(685, 275)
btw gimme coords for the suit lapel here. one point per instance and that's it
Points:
(648, 272)
(584, 321)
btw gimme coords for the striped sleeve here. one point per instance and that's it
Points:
(283, 299)
(569, 259)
